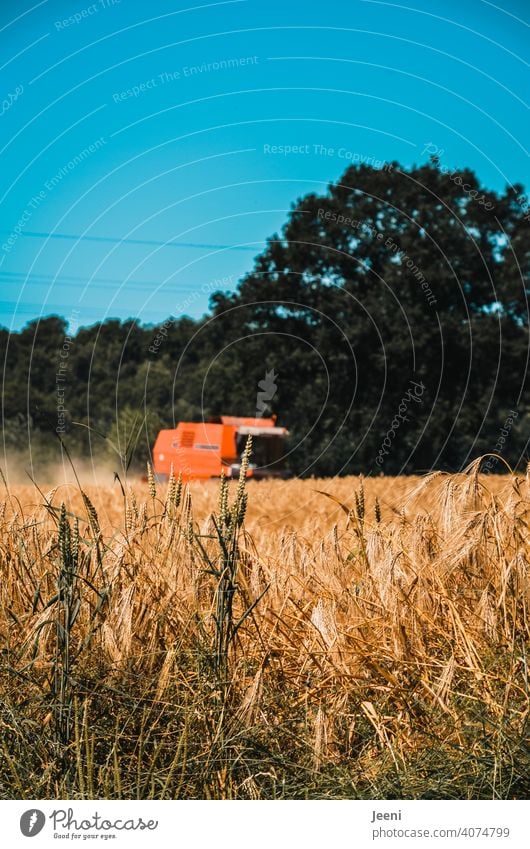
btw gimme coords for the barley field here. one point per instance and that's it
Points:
(294, 639)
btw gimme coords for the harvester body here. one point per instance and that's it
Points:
(198, 450)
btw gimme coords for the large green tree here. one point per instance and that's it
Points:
(392, 277)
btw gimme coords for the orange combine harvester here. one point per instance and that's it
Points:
(202, 449)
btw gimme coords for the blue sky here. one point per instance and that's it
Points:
(148, 151)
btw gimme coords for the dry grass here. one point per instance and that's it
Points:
(324, 648)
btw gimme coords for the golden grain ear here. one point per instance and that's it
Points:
(151, 481)
(256, 640)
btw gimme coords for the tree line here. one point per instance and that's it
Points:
(393, 284)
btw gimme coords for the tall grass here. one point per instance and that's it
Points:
(171, 643)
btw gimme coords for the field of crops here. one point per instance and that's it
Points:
(283, 639)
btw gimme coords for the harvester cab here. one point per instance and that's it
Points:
(198, 450)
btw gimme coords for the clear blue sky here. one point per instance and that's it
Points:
(188, 157)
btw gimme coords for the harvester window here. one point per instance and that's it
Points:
(267, 451)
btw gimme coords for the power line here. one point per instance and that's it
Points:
(104, 282)
(73, 238)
